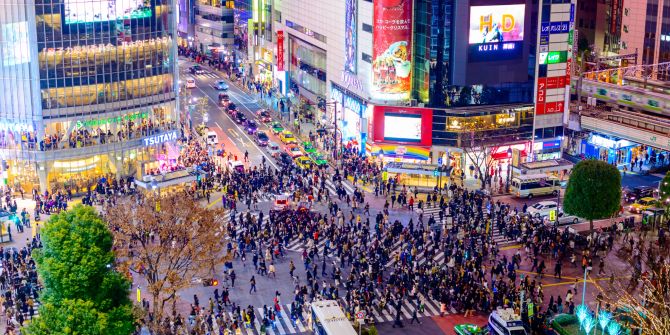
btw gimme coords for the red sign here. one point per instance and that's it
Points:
(280, 50)
(392, 49)
(550, 108)
(568, 70)
(541, 95)
(555, 82)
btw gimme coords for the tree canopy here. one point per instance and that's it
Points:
(594, 191)
(82, 292)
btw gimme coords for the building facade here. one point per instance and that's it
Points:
(86, 85)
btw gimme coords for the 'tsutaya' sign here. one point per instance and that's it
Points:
(162, 138)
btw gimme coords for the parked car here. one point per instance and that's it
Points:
(565, 219)
(236, 166)
(263, 115)
(212, 138)
(276, 127)
(221, 85)
(542, 208)
(251, 127)
(196, 69)
(261, 138)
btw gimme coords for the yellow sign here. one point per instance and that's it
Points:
(139, 294)
(531, 309)
(158, 206)
(552, 215)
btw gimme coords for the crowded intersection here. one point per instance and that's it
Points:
(308, 220)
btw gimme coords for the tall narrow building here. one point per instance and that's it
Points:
(89, 90)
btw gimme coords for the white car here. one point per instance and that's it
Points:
(273, 149)
(190, 83)
(221, 85)
(568, 219)
(542, 209)
(212, 138)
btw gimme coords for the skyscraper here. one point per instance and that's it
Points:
(86, 84)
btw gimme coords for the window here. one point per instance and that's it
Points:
(367, 27)
(366, 57)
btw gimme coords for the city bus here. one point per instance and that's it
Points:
(528, 186)
(329, 319)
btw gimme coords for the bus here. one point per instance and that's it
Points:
(528, 186)
(329, 319)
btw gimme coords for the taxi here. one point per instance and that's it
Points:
(308, 147)
(287, 137)
(318, 159)
(294, 151)
(642, 205)
(276, 127)
(303, 162)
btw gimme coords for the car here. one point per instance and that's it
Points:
(251, 127)
(471, 329)
(273, 149)
(287, 137)
(240, 118)
(303, 162)
(261, 138)
(212, 138)
(221, 85)
(190, 83)
(542, 209)
(318, 159)
(231, 108)
(642, 204)
(639, 193)
(276, 127)
(224, 99)
(284, 159)
(565, 219)
(322, 131)
(282, 202)
(236, 166)
(263, 115)
(293, 150)
(196, 69)
(308, 147)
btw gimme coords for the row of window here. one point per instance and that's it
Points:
(306, 31)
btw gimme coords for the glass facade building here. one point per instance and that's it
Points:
(84, 82)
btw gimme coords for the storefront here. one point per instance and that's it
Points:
(544, 150)
(411, 175)
(611, 149)
(387, 153)
(264, 65)
(352, 123)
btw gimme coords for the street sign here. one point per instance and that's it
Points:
(360, 315)
(552, 215)
(439, 161)
(139, 293)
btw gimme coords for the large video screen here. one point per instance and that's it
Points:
(402, 127)
(496, 32)
(83, 11)
(15, 43)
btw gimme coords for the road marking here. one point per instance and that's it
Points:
(218, 125)
(268, 159)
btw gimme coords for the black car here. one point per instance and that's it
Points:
(240, 118)
(639, 193)
(196, 69)
(284, 159)
(251, 127)
(261, 138)
(223, 99)
(232, 108)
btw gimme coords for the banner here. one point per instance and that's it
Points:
(392, 47)
(350, 35)
(280, 50)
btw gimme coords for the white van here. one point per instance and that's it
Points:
(212, 138)
(503, 321)
(236, 166)
(282, 201)
(528, 186)
(190, 83)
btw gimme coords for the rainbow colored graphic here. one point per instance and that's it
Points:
(406, 151)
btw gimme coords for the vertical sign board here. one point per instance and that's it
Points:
(280, 50)
(392, 50)
(350, 35)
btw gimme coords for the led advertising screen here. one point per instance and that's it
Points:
(496, 32)
(350, 35)
(392, 50)
(15, 44)
(78, 11)
(402, 127)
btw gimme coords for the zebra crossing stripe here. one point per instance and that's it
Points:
(298, 323)
(286, 318)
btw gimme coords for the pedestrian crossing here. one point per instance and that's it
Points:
(332, 189)
(284, 324)
(207, 75)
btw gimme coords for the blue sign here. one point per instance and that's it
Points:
(559, 27)
(439, 161)
(161, 138)
(486, 52)
(572, 12)
(551, 145)
(545, 28)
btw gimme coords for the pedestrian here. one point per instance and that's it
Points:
(252, 282)
(415, 312)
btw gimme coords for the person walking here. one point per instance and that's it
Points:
(415, 317)
(252, 281)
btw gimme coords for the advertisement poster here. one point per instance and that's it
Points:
(410, 125)
(496, 32)
(392, 46)
(350, 35)
(280, 50)
(77, 11)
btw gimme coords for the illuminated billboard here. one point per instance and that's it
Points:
(392, 50)
(402, 127)
(350, 35)
(411, 125)
(496, 32)
(84, 11)
(15, 43)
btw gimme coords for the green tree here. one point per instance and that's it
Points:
(80, 317)
(594, 191)
(75, 266)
